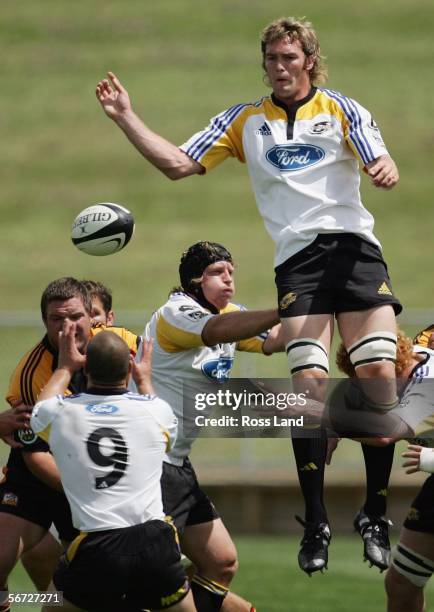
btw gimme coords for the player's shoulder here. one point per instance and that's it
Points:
(35, 355)
(423, 337)
(155, 405)
(243, 109)
(45, 411)
(31, 373)
(180, 305)
(131, 339)
(232, 307)
(351, 108)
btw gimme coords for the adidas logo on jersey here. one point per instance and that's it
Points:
(264, 130)
(384, 290)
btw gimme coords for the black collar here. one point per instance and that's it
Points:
(106, 391)
(292, 108)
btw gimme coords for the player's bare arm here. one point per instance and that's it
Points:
(141, 370)
(43, 466)
(164, 155)
(274, 342)
(234, 326)
(383, 172)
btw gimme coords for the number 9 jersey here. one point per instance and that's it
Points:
(109, 450)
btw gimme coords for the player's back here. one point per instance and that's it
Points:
(109, 450)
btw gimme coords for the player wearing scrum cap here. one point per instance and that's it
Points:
(303, 145)
(196, 334)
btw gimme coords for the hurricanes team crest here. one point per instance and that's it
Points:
(287, 299)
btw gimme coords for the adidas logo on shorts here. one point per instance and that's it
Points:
(309, 467)
(384, 290)
(264, 130)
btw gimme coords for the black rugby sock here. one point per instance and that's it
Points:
(208, 595)
(378, 465)
(310, 455)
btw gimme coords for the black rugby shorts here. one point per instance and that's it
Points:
(336, 273)
(183, 499)
(421, 514)
(126, 570)
(40, 505)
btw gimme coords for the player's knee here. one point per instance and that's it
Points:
(307, 354)
(402, 595)
(227, 567)
(406, 578)
(376, 353)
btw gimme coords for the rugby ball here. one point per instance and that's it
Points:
(102, 229)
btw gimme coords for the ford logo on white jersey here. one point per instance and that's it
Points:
(218, 369)
(102, 409)
(294, 157)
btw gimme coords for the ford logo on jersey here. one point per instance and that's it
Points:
(294, 157)
(218, 369)
(102, 409)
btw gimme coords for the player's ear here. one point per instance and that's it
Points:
(110, 318)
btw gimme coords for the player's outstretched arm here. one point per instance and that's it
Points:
(240, 325)
(383, 172)
(142, 370)
(164, 155)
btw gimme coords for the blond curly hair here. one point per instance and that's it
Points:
(297, 29)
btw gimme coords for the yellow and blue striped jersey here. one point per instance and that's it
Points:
(181, 362)
(303, 163)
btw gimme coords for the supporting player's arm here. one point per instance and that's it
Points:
(161, 153)
(70, 360)
(239, 325)
(142, 370)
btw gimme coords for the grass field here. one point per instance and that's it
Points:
(270, 578)
(183, 62)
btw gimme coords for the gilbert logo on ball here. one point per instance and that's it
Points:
(102, 229)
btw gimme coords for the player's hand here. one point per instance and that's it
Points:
(13, 419)
(413, 456)
(383, 172)
(70, 357)
(142, 370)
(431, 342)
(113, 97)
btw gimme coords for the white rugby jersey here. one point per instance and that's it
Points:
(181, 361)
(109, 450)
(416, 407)
(303, 163)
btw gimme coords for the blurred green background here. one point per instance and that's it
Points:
(182, 62)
